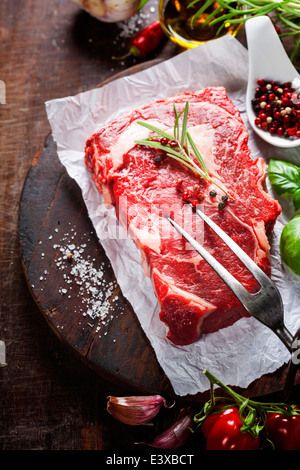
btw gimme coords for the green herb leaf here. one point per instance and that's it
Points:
(290, 244)
(296, 199)
(142, 4)
(197, 153)
(156, 129)
(184, 140)
(184, 126)
(285, 12)
(285, 179)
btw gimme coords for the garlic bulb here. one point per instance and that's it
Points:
(110, 11)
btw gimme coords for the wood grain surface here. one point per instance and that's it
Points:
(50, 399)
(53, 223)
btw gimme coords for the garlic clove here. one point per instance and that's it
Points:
(135, 410)
(176, 435)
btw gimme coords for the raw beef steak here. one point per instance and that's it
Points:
(144, 184)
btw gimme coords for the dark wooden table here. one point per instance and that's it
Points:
(49, 399)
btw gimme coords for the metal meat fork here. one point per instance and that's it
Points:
(266, 304)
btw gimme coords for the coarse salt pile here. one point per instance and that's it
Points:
(95, 296)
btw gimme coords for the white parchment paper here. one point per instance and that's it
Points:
(236, 355)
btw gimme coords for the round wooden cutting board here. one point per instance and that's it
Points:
(74, 286)
(54, 225)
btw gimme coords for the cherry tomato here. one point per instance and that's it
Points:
(284, 431)
(222, 432)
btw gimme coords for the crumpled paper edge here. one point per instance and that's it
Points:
(236, 355)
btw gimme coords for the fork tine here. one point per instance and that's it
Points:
(252, 302)
(259, 275)
(238, 289)
(264, 305)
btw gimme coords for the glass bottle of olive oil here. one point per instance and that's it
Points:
(177, 19)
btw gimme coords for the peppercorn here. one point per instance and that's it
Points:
(275, 106)
(186, 195)
(212, 193)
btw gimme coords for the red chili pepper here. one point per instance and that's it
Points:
(222, 432)
(146, 41)
(284, 431)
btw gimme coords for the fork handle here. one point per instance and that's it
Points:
(293, 366)
(286, 337)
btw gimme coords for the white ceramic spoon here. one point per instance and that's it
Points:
(267, 60)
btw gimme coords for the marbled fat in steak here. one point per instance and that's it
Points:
(193, 299)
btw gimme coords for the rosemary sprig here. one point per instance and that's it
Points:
(285, 12)
(184, 142)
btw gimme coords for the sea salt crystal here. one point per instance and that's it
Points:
(94, 292)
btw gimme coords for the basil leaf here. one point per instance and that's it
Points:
(284, 177)
(296, 199)
(290, 244)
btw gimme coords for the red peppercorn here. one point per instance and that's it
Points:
(271, 97)
(186, 195)
(263, 116)
(285, 101)
(257, 121)
(277, 115)
(280, 131)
